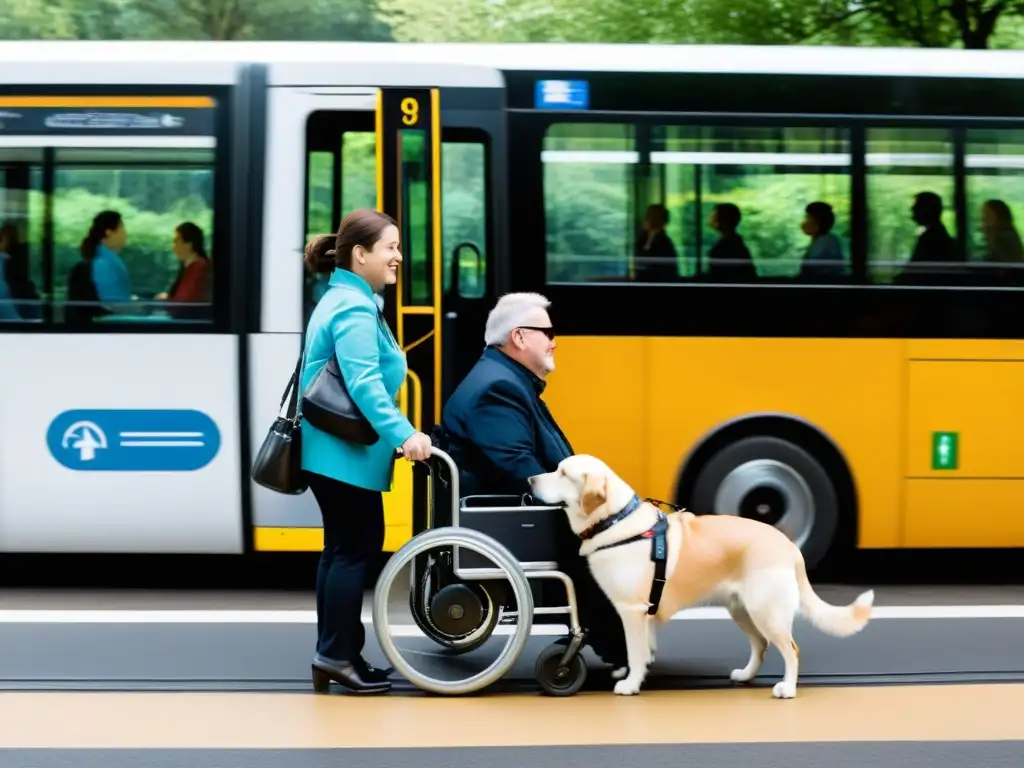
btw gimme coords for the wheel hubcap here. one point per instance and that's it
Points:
(771, 492)
(457, 610)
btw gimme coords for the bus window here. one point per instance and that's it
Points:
(768, 176)
(995, 204)
(589, 203)
(464, 200)
(359, 190)
(358, 171)
(320, 193)
(669, 211)
(416, 243)
(21, 235)
(320, 175)
(908, 167)
(165, 200)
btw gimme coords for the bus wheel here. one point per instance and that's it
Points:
(774, 481)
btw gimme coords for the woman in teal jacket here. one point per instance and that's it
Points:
(348, 479)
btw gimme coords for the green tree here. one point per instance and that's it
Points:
(923, 23)
(255, 20)
(190, 20)
(62, 19)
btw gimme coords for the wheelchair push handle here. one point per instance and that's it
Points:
(433, 464)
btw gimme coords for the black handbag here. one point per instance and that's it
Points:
(327, 405)
(278, 464)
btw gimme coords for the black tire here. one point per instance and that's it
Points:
(778, 482)
(456, 644)
(558, 681)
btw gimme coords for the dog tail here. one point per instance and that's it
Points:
(840, 621)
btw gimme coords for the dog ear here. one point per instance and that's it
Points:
(595, 492)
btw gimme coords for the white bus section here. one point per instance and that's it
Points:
(58, 492)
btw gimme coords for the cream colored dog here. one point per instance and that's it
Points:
(751, 567)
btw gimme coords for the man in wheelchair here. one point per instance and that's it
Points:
(499, 432)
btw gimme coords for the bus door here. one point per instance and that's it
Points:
(360, 147)
(440, 179)
(408, 151)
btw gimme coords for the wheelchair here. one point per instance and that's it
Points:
(490, 552)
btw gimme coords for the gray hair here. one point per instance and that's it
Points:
(511, 311)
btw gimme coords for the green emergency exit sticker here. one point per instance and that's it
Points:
(945, 453)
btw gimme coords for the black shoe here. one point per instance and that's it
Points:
(371, 674)
(346, 674)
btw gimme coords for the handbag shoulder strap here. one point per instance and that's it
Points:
(293, 383)
(293, 389)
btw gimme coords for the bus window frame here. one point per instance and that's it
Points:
(229, 259)
(845, 306)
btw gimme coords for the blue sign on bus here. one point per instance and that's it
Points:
(133, 440)
(561, 94)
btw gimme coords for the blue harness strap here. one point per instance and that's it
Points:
(658, 534)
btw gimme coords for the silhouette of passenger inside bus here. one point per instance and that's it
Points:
(729, 258)
(19, 299)
(823, 258)
(935, 246)
(1002, 242)
(655, 253)
(99, 284)
(192, 285)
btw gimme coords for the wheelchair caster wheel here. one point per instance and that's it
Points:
(556, 679)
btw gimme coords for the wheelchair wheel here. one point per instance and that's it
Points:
(556, 679)
(457, 615)
(519, 588)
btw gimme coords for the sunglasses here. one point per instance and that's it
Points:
(549, 331)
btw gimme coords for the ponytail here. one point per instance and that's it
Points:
(319, 255)
(104, 222)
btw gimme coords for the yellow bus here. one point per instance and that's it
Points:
(866, 404)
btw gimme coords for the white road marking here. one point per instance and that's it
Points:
(223, 616)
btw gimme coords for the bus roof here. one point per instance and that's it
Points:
(540, 57)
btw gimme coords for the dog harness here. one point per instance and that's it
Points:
(658, 534)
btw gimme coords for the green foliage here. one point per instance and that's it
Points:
(191, 20)
(150, 228)
(930, 23)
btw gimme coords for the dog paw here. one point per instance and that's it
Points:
(627, 688)
(740, 676)
(784, 691)
(621, 672)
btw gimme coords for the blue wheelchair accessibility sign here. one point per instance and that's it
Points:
(133, 441)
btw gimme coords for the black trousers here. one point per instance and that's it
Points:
(598, 616)
(353, 538)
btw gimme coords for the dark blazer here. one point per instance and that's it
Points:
(498, 430)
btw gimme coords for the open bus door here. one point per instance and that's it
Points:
(409, 190)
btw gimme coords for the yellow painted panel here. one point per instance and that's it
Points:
(982, 401)
(965, 513)
(642, 404)
(598, 395)
(288, 539)
(395, 536)
(312, 539)
(965, 349)
(398, 501)
(846, 388)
